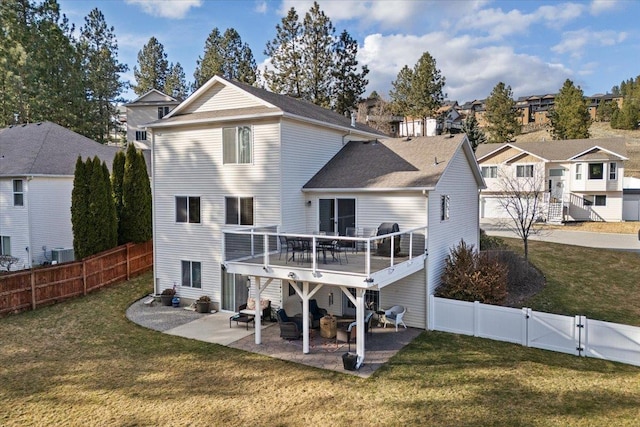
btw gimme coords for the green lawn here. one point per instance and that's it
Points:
(83, 363)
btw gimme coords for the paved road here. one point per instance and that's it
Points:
(570, 237)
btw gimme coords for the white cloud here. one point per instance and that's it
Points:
(599, 6)
(575, 42)
(172, 9)
(261, 7)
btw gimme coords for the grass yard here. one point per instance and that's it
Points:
(82, 363)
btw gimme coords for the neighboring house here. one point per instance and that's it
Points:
(151, 106)
(600, 99)
(581, 179)
(37, 165)
(237, 168)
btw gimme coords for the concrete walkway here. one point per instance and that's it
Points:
(626, 242)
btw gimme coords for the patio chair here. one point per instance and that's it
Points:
(393, 316)
(347, 334)
(316, 313)
(289, 329)
(336, 250)
(284, 246)
(351, 232)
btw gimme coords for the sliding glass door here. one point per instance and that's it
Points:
(336, 215)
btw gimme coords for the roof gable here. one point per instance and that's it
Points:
(153, 96)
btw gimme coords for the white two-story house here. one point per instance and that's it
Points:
(581, 180)
(148, 107)
(239, 171)
(37, 165)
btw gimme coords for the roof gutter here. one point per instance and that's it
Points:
(367, 190)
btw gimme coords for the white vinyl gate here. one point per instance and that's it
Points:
(566, 334)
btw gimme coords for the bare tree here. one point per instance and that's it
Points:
(522, 189)
(6, 261)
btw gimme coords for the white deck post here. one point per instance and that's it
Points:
(305, 317)
(360, 335)
(257, 320)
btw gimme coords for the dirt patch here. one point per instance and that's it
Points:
(523, 279)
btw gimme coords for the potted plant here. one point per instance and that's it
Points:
(166, 296)
(203, 304)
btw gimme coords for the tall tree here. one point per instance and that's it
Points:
(135, 220)
(474, 133)
(628, 116)
(152, 69)
(117, 178)
(501, 114)
(175, 84)
(349, 83)
(317, 56)
(400, 94)
(570, 114)
(227, 56)
(99, 50)
(80, 210)
(285, 51)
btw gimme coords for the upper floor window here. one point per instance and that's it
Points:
(444, 207)
(141, 135)
(188, 209)
(236, 144)
(613, 171)
(578, 172)
(524, 171)
(162, 111)
(239, 210)
(5, 245)
(489, 171)
(191, 274)
(596, 170)
(18, 192)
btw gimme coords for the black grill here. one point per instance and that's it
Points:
(384, 245)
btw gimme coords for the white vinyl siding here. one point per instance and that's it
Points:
(220, 97)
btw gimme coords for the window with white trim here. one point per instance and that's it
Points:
(162, 111)
(613, 171)
(524, 171)
(239, 210)
(18, 192)
(141, 135)
(191, 274)
(489, 171)
(444, 207)
(578, 171)
(188, 209)
(596, 170)
(236, 145)
(5, 245)
(597, 200)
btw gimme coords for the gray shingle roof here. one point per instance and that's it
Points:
(388, 164)
(560, 150)
(46, 149)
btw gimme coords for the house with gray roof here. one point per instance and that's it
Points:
(579, 180)
(148, 107)
(261, 195)
(37, 164)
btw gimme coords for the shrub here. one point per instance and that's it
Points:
(204, 298)
(470, 276)
(523, 279)
(490, 242)
(168, 291)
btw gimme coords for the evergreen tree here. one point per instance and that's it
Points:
(117, 178)
(400, 94)
(135, 221)
(605, 111)
(349, 83)
(501, 115)
(80, 210)
(153, 68)
(175, 84)
(285, 51)
(99, 50)
(628, 116)
(110, 215)
(317, 56)
(570, 114)
(474, 133)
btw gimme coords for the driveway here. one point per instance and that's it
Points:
(627, 242)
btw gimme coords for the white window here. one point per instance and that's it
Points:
(5, 245)
(239, 210)
(444, 207)
(578, 172)
(596, 170)
(18, 192)
(188, 209)
(162, 111)
(191, 274)
(613, 171)
(236, 144)
(141, 135)
(489, 171)
(524, 171)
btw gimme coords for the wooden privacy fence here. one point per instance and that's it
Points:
(42, 286)
(576, 335)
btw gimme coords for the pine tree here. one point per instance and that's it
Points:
(175, 84)
(349, 84)
(285, 51)
(474, 133)
(317, 56)
(135, 220)
(110, 216)
(628, 116)
(501, 114)
(99, 50)
(153, 68)
(79, 210)
(570, 114)
(117, 178)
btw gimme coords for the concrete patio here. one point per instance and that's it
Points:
(380, 345)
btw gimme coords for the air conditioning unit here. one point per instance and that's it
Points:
(62, 255)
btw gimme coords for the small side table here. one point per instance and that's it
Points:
(242, 318)
(328, 327)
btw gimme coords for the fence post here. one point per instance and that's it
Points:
(84, 276)
(432, 313)
(476, 318)
(526, 314)
(33, 289)
(580, 322)
(128, 264)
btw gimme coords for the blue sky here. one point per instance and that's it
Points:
(533, 46)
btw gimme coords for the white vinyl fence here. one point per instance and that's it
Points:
(574, 335)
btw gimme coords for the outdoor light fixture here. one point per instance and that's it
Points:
(292, 275)
(308, 202)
